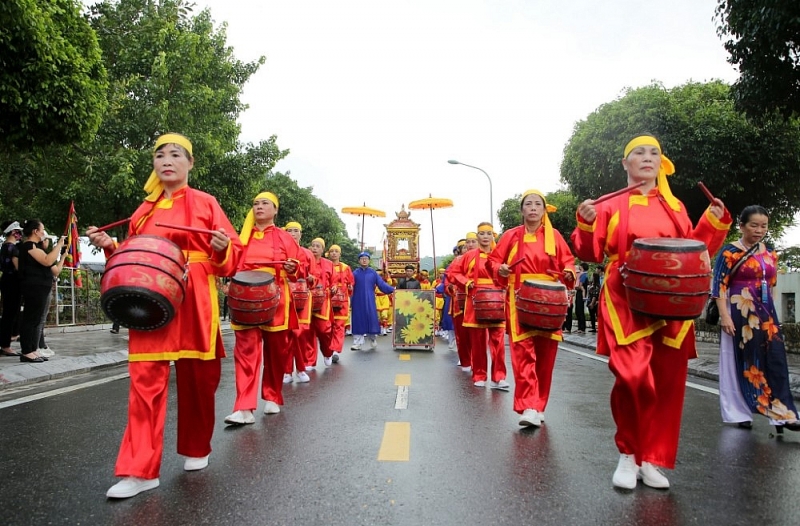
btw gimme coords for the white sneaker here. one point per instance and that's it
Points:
(328, 361)
(46, 352)
(271, 408)
(626, 472)
(287, 378)
(373, 344)
(302, 377)
(467, 369)
(240, 418)
(502, 385)
(309, 368)
(195, 463)
(652, 476)
(130, 486)
(451, 345)
(480, 383)
(355, 348)
(530, 417)
(335, 357)
(383, 331)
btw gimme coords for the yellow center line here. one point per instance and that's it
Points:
(402, 379)
(405, 357)
(396, 443)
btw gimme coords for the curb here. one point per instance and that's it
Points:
(31, 373)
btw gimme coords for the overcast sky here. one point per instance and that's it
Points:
(373, 97)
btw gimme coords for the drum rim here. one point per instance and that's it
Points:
(650, 242)
(266, 282)
(670, 293)
(118, 292)
(554, 285)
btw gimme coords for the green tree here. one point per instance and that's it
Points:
(741, 162)
(52, 80)
(762, 39)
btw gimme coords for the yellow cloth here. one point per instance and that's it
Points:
(471, 235)
(153, 186)
(666, 168)
(549, 237)
(337, 247)
(250, 220)
(293, 224)
(319, 240)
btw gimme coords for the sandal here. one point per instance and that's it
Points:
(8, 353)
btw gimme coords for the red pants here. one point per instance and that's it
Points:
(321, 330)
(647, 399)
(253, 346)
(143, 442)
(337, 335)
(297, 353)
(532, 361)
(309, 345)
(477, 343)
(462, 341)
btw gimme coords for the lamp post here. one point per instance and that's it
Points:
(491, 200)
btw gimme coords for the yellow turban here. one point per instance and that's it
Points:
(153, 186)
(549, 237)
(666, 168)
(293, 224)
(471, 235)
(319, 240)
(461, 243)
(250, 220)
(337, 247)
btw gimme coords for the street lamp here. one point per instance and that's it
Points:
(491, 200)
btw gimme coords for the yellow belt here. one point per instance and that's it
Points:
(195, 256)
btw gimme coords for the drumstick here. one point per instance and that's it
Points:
(618, 192)
(187, 228)
(114, 224)
(517, 262)
(705, 190)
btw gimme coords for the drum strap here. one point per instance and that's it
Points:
(671, 214)
(624, 207)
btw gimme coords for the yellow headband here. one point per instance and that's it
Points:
(250, 220)
(666, 168)
(549, 237)
(461, 243)
(335, 247)
(153, 186)
(293, 224)
(318, 240)
(471, 235)
(486, 228)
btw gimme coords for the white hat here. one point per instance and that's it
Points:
(13, 226)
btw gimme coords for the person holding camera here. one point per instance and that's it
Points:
(37, 270)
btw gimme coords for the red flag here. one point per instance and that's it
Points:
(72, 258)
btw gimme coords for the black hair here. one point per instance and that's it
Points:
(585, 266)
(4, 225)
(750, 211)
(410, 267)
(30, 226)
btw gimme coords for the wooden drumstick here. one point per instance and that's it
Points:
(517, 262)
(187, 228)
(618, 192)
(705, 190)
(114, 224)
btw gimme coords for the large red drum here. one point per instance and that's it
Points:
(489, 305)
(299, 290)
(253, 298)
(667, 278)
(339, 300)
(317, 298)
(143, 284)
(542, 305)
(461, 300)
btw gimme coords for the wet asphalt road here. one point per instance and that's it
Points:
(470, 463)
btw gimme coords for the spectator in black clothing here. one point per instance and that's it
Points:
(10, 288)
(567, 326)
(580, 295)
(593, 299)
(409, 281)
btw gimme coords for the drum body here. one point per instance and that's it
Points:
(542, 305)
(461, 300)
(339, 300)
(143, 284)
(317, 298)
(667, 278)
(253, 298)
(299, 290)
(489, 305)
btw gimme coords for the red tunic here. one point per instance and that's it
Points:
(342, 277)
(324, 277)
(471, 270)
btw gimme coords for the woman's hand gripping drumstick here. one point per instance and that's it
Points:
(505, 269)
(717, 206)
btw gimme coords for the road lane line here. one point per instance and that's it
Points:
(62, 390)
(401, 402)
(396, 443)
(405, 357)
(402, 379)
(603, 359)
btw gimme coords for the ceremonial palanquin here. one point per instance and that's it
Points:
(402, 244)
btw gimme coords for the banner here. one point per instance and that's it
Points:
(72, 258)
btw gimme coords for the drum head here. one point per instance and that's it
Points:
(667, 244)
(137, 308)
(541, 284)
(253, 277)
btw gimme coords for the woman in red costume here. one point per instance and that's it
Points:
(457, 308)
(341, 285)
(545, 257)
(302, 339)
(471, 274)
(321, 320)
(268, 249)
(649, 357)
(192, 339)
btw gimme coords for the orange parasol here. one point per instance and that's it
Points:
(431, 203)
(363, 211)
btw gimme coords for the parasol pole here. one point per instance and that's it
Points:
(362, 232)
(433, 241)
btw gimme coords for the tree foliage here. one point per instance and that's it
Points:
(742, 162)
(52, 80)
(763, 39)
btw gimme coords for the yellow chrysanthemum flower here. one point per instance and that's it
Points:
(405, 302)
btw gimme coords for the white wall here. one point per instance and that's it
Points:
(787, 291)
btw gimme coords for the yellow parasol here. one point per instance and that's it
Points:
(363, 211)
(431, 203)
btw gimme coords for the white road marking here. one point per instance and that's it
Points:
(62, 390)
(401, 402)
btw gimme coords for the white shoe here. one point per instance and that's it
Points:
(451, 345)
(383, 331)
(303, 377)
(480, 383)
(287, 378)
(309, 368)
(373, 344)
(355, 348)
(652, 476)
(271, 408)
(130, 486)
(626, 472)
(502, 385)
(328, 361)
(530, 417)
(335, 357)
(195, 463)
(46, 352)
(467, 369)
(240, 418)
